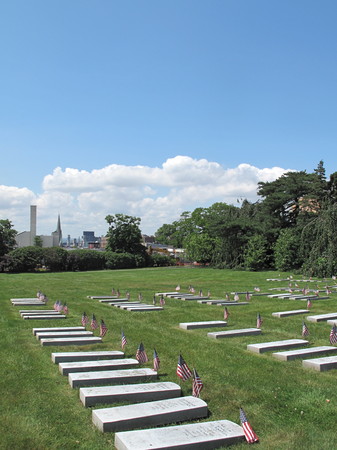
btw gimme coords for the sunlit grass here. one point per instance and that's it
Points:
(289, 407)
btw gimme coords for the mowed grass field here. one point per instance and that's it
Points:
(289, 407)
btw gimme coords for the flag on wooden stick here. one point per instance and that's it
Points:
(65, 309)
(156, 361)
(259, 321)
(141, 355)
(250, 435)
(103, 329)
(333, 335)
(124, 341)
(93, 322)
(183, 371)
(197, 384)
(305, 330)
(309, 304)
(226, 313)
(84, 319)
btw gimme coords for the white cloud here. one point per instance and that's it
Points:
(157, 195)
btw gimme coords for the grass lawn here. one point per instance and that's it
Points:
(289, 407)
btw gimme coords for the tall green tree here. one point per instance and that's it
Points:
(124, 235)
(7, 236)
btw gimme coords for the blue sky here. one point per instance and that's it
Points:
(204, 97)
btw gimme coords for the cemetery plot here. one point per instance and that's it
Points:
(94, 366)
(85, 356)
(321, 364)
(57, 329)
(115, 300)
(203, 436)
(142, 415)
(289, 313)
(322, 317)
(62, 334)
(44, 316)
(99, 297)
(28, 303)
(111, 377)
(71, 341)
(142, 392)
(304, 353)
(276, 345)
(206, 324)
(215, 302)
(39, 313)
(234, 333)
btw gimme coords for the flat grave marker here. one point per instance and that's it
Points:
(205, 324)
(140, 415)
(44, 316)
(57, 329)
(234, 333)
(94, 366)
(140, 392)
(202, 436)
(290, 313)
(321, 364)
(62, 334)
(322, 317)
(58, 357)
(276, 345)
(304, 353)
(71, 341)
(111, 377)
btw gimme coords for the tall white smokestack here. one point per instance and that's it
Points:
(32, 224)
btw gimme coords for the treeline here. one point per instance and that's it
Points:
(292, 227)
(55, 259)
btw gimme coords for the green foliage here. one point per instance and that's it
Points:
(124, 235)
(38, 241)
(160, 260)
(120, 260)
(80, 260)
(7, 236)
(287, 250)
(25, 259)
(55, 258)
(200, 248)
(256, 253)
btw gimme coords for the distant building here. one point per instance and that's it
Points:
(90, 240)
(27, 238)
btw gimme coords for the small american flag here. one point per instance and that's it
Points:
(248, 296)
(162, 300)
(55, 305)
(333, 335)
(178, 287)
(259, 321)
(227, 297)
(236, 297)
(118, 293)
(141, 355)
(309, 304)
(93, 322)
(257, 289)
(183, 371)
(200, 293)
(85, 319)
(226, 313)
(124, 341)
(140, 297)
(156, 361)
(250, 435)
(65, 309)
(192, 290)
(305, 330)
(113, 292)
(59, 306)
(103, 329)
(197, 384)
(328, 290)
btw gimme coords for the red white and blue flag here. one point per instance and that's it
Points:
(85, 319)
(94, 323)
(226, 313)
(305, 330)
(259, 321)
(183, 371)
(250, 435)
(141, 355)
(124, 341)
(103, 329)
(197, 384)
(156, 360)
(333, 335)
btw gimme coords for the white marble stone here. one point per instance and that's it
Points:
(62, 334)
(94, 366)
(276, 345)
(58, 357)
(290, 313)
(304, 353)
(140, 415)
(71, 341)
(205, 324)
(321, 364)
(44, 317)
(322, 317)
(140, 392)
(234, 333)
(195, 436)
(111, 377)
(57, 329)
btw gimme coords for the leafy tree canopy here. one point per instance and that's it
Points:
(124, 235)
(7, 236)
